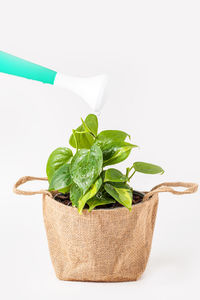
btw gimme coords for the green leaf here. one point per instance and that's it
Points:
(121, 192)
(85, 133)
(92, 192)
(91, 122)
(75, 194)
(86, 166)
(84, 139)
(58, 158)
(75, 138)
(114, 153)
(96, 201)
(61, 180)
(108, 136)
(147, 168)
(113, 146)
(102, 193)
(114, 175)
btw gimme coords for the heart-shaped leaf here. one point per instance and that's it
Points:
(85, 134)
(121, 192)
(114, 175)
(91, 122)
(147, 168)
(89, 194)
(75, 194)
(61, 180)
(86, 166)
(58, 158)
(114, 153)
(109, 136)
(96, 201)
(81, 139)
(113, 146)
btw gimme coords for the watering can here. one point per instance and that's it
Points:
(90, 89)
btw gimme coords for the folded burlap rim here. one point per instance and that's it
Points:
(190, 188)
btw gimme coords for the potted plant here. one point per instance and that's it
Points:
(98, 228)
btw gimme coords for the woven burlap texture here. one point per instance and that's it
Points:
(102, 245)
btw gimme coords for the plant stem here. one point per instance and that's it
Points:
(128, 171)
(74, 134)
(131, 175)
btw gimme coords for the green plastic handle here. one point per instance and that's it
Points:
(13, 65)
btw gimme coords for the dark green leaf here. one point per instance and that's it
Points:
(113, 146)
(121, 193)
(147, 168)
(89, 194)
(96, 201)
(114, 153)
(85, 134)
(58, 157)
(102, 175)
(86, 166)
(75, 194)
(102, 193)
(114, 175)
(61, 180)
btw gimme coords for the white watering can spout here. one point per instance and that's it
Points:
(90, 89)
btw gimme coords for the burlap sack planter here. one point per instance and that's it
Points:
(105, 244)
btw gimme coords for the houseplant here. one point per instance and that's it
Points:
(82, 175)
(98, 227)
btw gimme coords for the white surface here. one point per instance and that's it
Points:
(150, 49)
(90, 89)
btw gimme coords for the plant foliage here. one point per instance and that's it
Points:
(82, 174)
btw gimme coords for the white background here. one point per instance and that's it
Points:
(151, 52)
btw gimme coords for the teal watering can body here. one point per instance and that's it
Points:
(13, 65)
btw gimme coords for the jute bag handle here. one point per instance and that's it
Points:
(167, 187)
(25, 179)
(161, 188)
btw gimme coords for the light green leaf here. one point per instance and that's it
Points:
(84, 139)
(95, 201)
(75, 194)
(91, 122)
(121, 193)
(86, 166)
(114, 153)
(58, 158)
(147, 168)
(109, 136)
(114, 175)
(61, 180)
(85, 133)
(91, 192)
